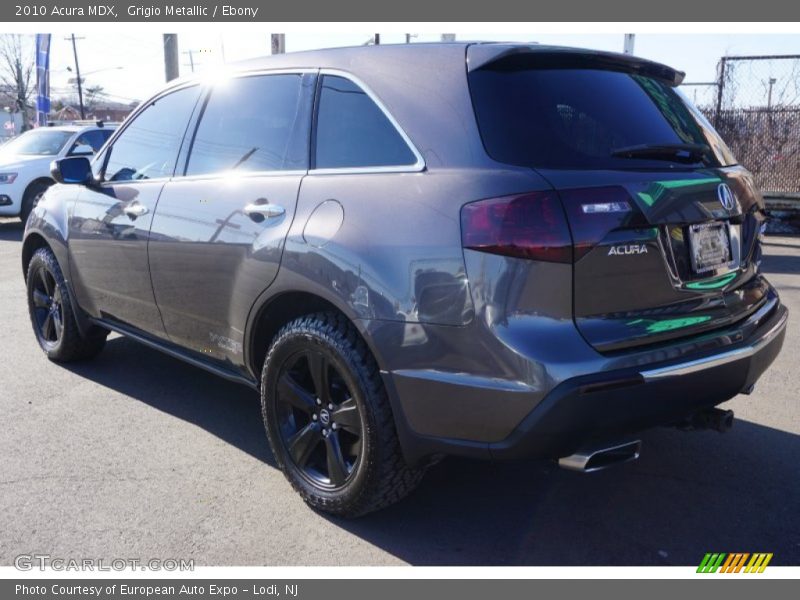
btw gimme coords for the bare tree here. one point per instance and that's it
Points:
(93, 95)
(17, 71)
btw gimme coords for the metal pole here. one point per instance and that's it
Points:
(720, 88)
(78, 76)
(171, 56)
(772, 82)
(630, 38)
(278, 43)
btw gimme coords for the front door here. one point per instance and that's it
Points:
(110, 222)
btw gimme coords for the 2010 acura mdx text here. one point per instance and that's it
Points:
(487, 250)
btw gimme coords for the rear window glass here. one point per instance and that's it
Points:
(577, 118)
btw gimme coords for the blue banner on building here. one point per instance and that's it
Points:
(42, 78)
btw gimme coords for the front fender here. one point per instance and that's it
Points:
(48, 226)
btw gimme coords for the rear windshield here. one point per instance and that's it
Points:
(577, 119)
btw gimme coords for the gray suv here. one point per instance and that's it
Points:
(486, 250)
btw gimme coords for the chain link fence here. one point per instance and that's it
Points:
(755, 106)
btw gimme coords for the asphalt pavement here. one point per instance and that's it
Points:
(136, 454)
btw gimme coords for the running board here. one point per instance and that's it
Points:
(176, 352)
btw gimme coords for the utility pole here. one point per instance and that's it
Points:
(278, 43)
(78, 75)
(191, 58)
(629, 40)
(171, 56)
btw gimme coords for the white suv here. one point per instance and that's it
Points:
(25, 161)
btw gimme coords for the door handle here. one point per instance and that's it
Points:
(135, 210)
(264, 210)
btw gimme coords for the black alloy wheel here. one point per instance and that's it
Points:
(52, 313)
(47, 307)
(319, 420)
(329, 420)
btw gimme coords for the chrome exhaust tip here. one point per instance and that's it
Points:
(597, 459)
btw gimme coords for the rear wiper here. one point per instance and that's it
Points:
(682, 152)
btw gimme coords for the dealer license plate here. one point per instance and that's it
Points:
(710, 246)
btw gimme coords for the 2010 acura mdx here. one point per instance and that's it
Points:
(488, 250)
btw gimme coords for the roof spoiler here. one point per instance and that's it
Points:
(517, 56)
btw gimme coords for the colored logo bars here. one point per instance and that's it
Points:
(735, 562)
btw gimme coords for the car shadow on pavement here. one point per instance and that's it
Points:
(690, 493)
(230, 411)
(11, 231)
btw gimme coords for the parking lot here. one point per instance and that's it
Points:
(136, 454)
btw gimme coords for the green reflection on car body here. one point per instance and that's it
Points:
(656, 190)
(669, 324)
(712, 284)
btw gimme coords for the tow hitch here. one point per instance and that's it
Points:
(709, 418)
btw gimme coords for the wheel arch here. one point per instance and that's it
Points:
(280, 309)
(44, 179)
(32, 243)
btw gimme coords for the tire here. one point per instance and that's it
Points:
(31, 198)
(345, 460)
(51, 310)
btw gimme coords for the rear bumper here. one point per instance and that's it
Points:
(610, 403)
(603, 407)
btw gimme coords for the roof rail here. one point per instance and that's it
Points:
(81, 122)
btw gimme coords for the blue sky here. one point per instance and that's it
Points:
(129, 65)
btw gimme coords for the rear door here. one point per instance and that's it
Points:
(218, 234)
(664, 224)
(110, 222)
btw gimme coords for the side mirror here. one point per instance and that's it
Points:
(82, 150)
(74, 169)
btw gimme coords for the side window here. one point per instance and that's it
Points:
(148, 147)
(352, 131)
(90, 142)
(253, 123)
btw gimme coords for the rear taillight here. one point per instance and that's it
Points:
(594, 212)
(529, 225)
(552, 226)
